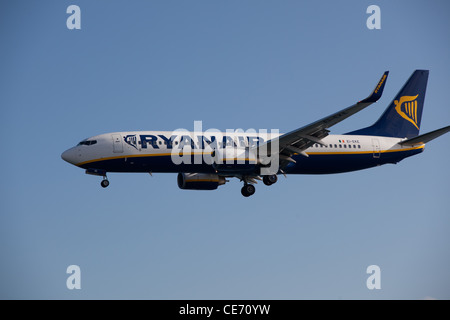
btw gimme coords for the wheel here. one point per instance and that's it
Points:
(248, 190)
(269, 180)
(104, 183)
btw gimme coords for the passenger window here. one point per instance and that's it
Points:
(359, 146)
(335, 145)
(340, 146)
(345, 146)
(350, 146)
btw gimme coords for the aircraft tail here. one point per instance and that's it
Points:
(402, 118)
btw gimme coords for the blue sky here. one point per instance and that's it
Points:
(161, 65)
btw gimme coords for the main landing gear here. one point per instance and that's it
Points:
(249, 189)
(270, 180)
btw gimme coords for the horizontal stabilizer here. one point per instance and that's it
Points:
(424, 138)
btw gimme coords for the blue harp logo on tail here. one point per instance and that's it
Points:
(406, 107)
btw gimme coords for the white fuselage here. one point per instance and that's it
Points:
(130, 147)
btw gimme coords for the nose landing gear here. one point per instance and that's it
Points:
(101, 173)
(105, 182)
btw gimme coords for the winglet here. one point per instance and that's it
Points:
(378, 91)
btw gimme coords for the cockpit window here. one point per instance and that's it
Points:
(87, 142)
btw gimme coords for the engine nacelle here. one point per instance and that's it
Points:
(199, 181)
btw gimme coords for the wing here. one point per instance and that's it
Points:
(301, 139)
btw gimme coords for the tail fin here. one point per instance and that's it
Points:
(402, 118)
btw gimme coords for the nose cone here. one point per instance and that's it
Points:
(69, 156)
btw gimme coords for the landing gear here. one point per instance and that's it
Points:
(104, 182)
(269, 180)
(248, 190)
(100, 173)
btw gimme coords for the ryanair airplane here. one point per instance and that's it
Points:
(204, 160)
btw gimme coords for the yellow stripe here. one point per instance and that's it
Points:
(238, 159)
(138, 156)
(368, 152)
(194, 153)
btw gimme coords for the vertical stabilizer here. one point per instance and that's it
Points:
(402, 118)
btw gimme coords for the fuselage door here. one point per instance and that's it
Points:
(376, 148)
(117, 143)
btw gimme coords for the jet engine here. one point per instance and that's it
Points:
(199, 181)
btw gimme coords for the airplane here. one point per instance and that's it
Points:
(204, 160)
